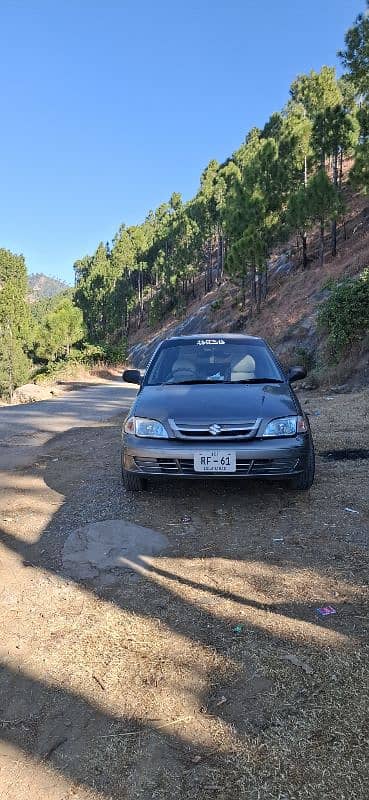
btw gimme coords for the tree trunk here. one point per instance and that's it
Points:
(321, 245)
(220, 258)
(140, 297)
(259, 292)
(266, 287)
(334, 238)
(142, 294)
(193, 286)
(11, 366)
(341, 169)
(243, 290)
(334, 221)
(304, 251)
(210, 276)
(126, 319)
(210, 270)
(304, 235)
(253, 284)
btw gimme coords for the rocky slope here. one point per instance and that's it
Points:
(41, 285)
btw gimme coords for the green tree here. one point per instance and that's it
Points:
(317, 91)
(296, 152)
(14, 322)
(92, 291)
(324, 203)
(60, 329)
(298, 218)
(359, 174)
(328, 103)
(14, 364)
(355, 57)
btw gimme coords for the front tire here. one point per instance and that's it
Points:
(305, 479)
(133, 482)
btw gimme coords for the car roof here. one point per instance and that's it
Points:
(228, 337)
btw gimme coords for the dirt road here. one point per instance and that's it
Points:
(167, 646)
(25, 427)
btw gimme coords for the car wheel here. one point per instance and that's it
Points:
(133, 482)
(305, 479)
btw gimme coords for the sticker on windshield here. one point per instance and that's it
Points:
(210, 341)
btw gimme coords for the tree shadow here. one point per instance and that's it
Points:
(80, 741)
(182, 605)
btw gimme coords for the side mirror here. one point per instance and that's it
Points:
(132, 376)
(296, 374)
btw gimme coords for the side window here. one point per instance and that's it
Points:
(162, 366)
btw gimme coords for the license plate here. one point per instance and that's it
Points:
(214, 461)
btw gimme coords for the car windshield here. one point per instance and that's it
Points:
(213, 361)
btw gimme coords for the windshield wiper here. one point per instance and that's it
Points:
(205, 381)
(195, 380)
(260, 380)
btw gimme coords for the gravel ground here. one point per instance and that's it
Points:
(202, 671)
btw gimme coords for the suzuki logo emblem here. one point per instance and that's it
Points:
(215, 429)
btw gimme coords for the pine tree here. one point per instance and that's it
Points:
(323, 203)
(355, 57)
(14, 322)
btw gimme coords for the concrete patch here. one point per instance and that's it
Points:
(96, 549)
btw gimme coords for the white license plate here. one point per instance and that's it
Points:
(215, 461)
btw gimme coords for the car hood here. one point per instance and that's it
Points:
(218, 403)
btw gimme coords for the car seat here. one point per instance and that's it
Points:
(183, 370)
(244, 370)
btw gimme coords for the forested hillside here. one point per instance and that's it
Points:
(285, 182)
(286, 185)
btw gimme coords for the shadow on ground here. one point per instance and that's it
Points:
(204, 631)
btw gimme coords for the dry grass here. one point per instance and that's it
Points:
(153, 692)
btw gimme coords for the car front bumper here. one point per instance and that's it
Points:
(257, 458)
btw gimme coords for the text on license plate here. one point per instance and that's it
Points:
(215, 461)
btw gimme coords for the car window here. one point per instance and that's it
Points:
(226, 362)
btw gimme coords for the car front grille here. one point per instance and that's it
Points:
(185, 466)
(226, 432)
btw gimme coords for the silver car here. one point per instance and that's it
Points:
(218, 406)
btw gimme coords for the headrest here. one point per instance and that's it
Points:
(183, 365)
(247, 364)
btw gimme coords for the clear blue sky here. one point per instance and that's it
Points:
(108, 107)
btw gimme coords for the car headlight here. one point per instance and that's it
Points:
(285, 426)
(146, 428)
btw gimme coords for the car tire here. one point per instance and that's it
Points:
(305, 479)
(133, 482)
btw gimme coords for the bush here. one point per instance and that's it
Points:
(51, 371)
(329, 283)
(92, 354)
(88, 354)
(217, 304)
(345, 315)
(305, 357)
(115, 353)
